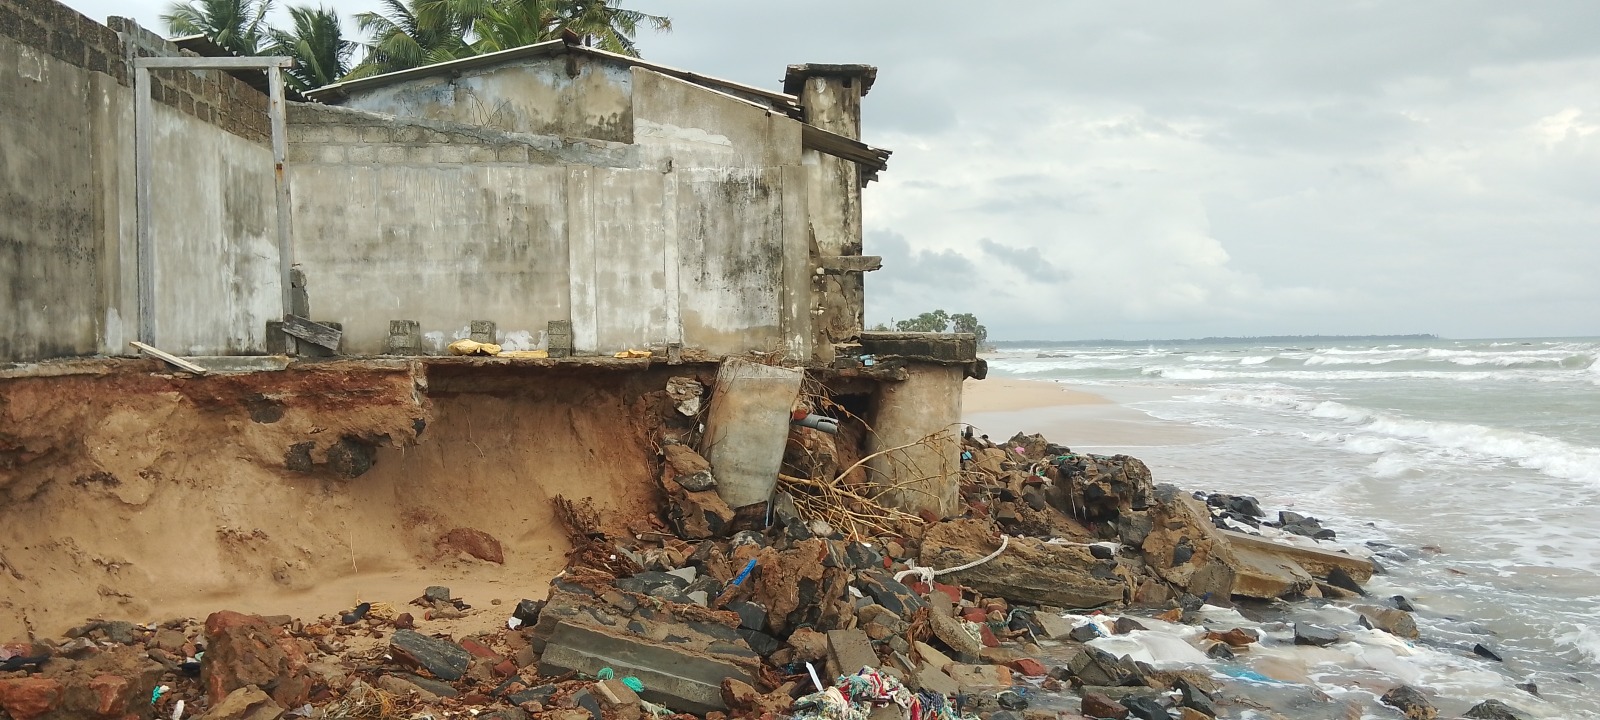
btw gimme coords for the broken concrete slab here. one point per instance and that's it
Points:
(443, 659)
(977, 678)
(680, 680)
(953, 633)
(849, 651)
(1316, 561)
(1028, 571)
(1265, 575)
(747, 428)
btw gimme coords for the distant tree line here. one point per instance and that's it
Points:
(940, 321)
(406, 33)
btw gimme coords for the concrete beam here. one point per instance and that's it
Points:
(949, 348)
(839, 264)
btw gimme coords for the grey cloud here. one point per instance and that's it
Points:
(1026, 260)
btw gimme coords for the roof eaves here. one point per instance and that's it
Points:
(872, 160)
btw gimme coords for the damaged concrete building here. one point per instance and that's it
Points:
(612, 224)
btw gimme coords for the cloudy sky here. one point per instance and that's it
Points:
(1182, 169)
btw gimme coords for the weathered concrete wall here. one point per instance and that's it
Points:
(567, 94)
(427, 221)
(68, 259)
(674, 239)
(833, 102)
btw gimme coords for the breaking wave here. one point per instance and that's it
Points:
(1374, 432)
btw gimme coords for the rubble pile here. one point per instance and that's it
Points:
(715, 611)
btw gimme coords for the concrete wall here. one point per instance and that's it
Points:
(68, 259)
(567, 94)
(696, 233)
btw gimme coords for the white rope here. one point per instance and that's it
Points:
(927, 574)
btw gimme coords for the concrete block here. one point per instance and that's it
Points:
(364, 154)
(480, 154)
(434, 136)
(452, 154)
(680, 680)
(407, 134)
(331, 154)
(311, 133)
(346, 134)
(849, 651)
(483, 331)
(375, 134)
(393, 154)
(405, 338)
(512, 154)
(747, 428)
(299, 152)
(558, 336)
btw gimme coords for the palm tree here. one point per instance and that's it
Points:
(604, 25)
(316, 42)
(405, 36)
(240, 26)
(507, 24)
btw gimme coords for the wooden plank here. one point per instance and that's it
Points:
(169, 358)
(315, 333)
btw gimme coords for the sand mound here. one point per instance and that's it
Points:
(143, 497)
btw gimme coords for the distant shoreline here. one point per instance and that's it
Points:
(1002, 344)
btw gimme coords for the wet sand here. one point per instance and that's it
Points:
(1075, 417)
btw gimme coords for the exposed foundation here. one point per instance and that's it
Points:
(140, 496)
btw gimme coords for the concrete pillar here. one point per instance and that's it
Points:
(482, 331)
(831, 96)
(927, 403)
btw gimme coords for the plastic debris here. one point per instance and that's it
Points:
(633, 683)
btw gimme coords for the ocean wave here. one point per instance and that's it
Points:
(1377, 433)
(1240, 359)
(1585, 639)
(1183, 373)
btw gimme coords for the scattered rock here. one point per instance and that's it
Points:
(243, 651)
(29, 698)
(1096, 705)
(1305, 634)
(1410, 703)
(246, 703)
(441, 658)
(1495, 710)
(1093, 666)
(1145, 708)
(1484, 651)
(475, 543)
(1393, 621)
